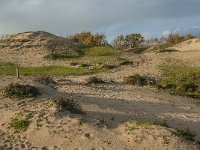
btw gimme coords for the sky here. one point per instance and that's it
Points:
(112, 17)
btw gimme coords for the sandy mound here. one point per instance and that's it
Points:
(104, 126)
(189, 45)
(23, 46)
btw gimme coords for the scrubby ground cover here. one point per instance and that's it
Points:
(10, 69)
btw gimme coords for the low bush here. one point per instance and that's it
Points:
(133, 124)
(109, 66)
(126, 62)
(186, 134)
(68, 104)
(19, 91)
(94, 80)
(63, 55)
(181, 80)
(140, 80)
(162, 46)
(19, 123)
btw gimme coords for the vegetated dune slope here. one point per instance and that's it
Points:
(189, 45)
(29, 48)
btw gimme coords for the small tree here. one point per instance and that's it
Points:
(87, 38)
(119, 42)
(128, 41)
(134, 40)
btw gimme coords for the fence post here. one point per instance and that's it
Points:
(17, 72)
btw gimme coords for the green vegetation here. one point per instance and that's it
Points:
(186, 134)
(68, 104)
(128, 41)
(162, 46)
(99, 56)
(181, 80)
(133, 124)
(46, 70)
(90, 55)
(139, 80)
(19, 91)
(99, 51)
(89, 39)
(7, 64)
(94, 80)
(64, 55)
(19, 123)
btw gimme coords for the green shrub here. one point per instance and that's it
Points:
(94, 80)
(126, 62)
(186, 134)
(68, 104)
(19, 91)
(46, 70)
(181, 80)
(133, 124)
(100, 51)
(139, 80)
(19, 123)
(162, 46)
(109, 66)
(63, 55)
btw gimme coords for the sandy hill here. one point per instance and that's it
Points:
(23, 46)
(189, 45)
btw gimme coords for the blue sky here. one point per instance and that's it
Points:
(113, 17)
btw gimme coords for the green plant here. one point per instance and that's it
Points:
(63, 55)
(94, 80)
(162, 46)
(19, 91)
(100, 51)
(186, 134)
(46, 70)
(68, 104)
(109, 66)
(133, 124)
(126, 62)
(19, 123)
(139, 80)
(181, 80)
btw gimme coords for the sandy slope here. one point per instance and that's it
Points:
(189, 45)
(29, 48)
(107, 107)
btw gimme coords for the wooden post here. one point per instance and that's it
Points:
(17, 72)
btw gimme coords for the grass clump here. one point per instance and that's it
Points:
(94, 80)
(162, 46)
(186, 134)
(139, 80)
(18, 91)
(181, 80)
(19, 123)
(68, 104)
(64, 55)
(133, 124)
(100, 51)
(46, 70)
